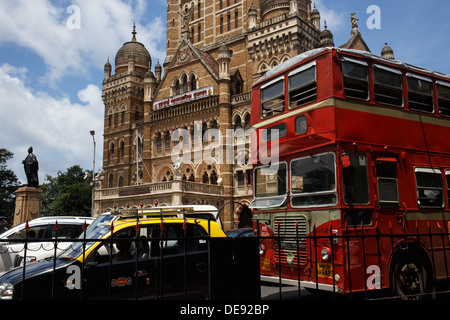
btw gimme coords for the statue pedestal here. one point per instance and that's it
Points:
(28, 204)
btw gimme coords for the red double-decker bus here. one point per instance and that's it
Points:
(358, 196)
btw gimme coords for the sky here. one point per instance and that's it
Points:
(52, 55)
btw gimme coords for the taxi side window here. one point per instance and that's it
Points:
(121, 249)
(149, 241)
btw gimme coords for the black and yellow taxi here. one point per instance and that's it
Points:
(143, 254)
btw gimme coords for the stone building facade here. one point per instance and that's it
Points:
(178, 133)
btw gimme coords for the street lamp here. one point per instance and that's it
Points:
(93, 174)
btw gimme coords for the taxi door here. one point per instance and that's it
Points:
(180, 254)
(124, 272)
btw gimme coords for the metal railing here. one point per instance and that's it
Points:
(231, 266)
(410, 264)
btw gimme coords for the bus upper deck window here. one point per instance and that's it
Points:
(420, 93)
(302, 85)
(443, 97)
(355, 78)
(388, 85)
(272, 97)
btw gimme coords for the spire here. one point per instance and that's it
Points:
(134, 32)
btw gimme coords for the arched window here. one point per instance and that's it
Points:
(193, 83)
(185, 84)
(205, 177)
(213, 178)
(177, 88)
(120, 181)
(167, 140)
(111, 180)
(111, 149)
(159, 141)
(122, 149)
(247, 121)
(238, 123)
(139, 141)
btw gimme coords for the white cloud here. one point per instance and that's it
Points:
(57, 129)
(336, 20)
(104, 26)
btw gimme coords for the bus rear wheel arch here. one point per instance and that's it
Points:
(411, 274)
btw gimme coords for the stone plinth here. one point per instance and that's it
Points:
(28, 204)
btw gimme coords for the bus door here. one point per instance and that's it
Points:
(388, 206)
(386, 174)
(358, 215)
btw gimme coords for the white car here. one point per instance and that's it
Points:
(12, 244)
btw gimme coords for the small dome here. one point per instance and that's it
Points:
(107, 66)
(326, 37)
(387, 52)
(142, 57)
(158, 67)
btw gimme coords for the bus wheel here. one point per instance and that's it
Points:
(409, 276)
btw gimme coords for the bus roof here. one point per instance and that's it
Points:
(364, 54)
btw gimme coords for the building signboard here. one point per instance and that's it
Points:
(184, 97)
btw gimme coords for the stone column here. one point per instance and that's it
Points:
(28, 204)
(226, 161)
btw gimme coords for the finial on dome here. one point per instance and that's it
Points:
(134, 32)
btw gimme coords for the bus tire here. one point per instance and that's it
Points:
(410, 275)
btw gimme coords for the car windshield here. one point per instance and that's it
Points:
(92, 234)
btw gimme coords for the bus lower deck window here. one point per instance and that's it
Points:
(387, 184)
(447, 180)
(355, 178)
(313, 180)
(429, 187)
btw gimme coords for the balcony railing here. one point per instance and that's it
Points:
(159, 188)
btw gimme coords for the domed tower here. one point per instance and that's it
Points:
(272, 8)
(124, 100)
(142, 58)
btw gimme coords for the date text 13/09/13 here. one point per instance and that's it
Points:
(234, 309)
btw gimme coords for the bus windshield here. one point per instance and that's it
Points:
(313, 180)
(270, 186)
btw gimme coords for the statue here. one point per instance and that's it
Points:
(31, 166)
(354, 21)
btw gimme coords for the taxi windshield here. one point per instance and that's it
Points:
(92, 236)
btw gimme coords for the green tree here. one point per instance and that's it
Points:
(8, 186)
(67, 194)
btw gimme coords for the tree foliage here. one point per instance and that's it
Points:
(67, 194)
(8, 185)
